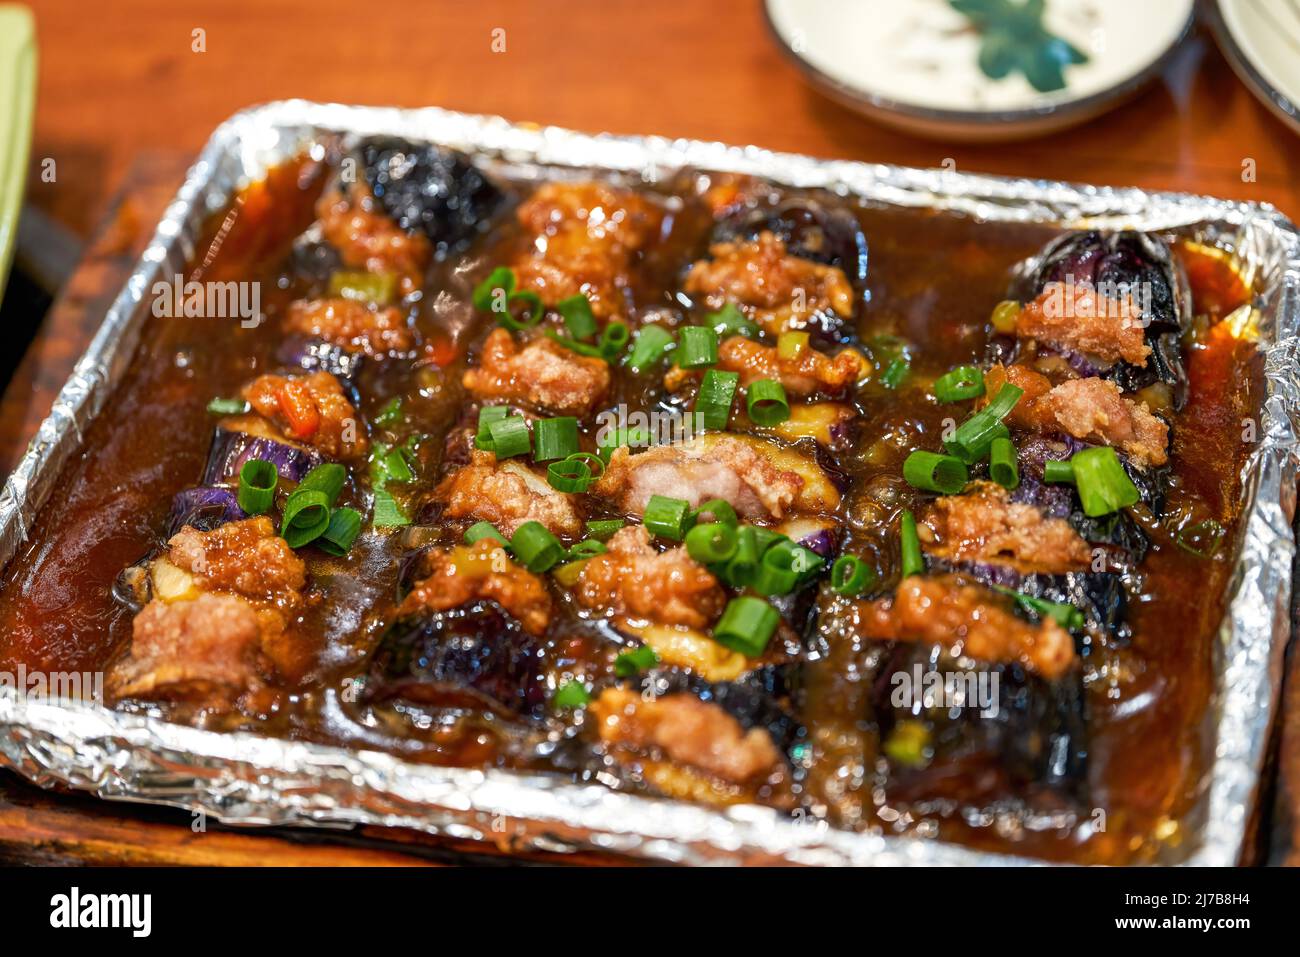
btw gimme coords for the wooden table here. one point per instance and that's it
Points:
(125, 99)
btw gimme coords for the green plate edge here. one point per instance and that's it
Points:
(17, 104)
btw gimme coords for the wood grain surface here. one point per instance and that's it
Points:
(125, 101)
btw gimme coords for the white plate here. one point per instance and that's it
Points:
(916, 64)
(1261, 39)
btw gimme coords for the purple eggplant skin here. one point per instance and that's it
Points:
(316, 355)
(434, 190)
(477, 655)
(204, 509)
(232, 448)
(758, 699)
(1134, 260)
(1037, 739)
(811, 230)
(1115, 532)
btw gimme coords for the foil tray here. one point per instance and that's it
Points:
(252, 780)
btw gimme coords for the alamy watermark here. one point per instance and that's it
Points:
(59, 685)
(923, 689)
(177, 299)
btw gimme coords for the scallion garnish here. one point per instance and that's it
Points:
(651, 344)
(766, 402)
(578, 318)
(791, 345)
(387, 512)
(219, 406)
(729, 320)
(535, 547)
(667, 517)
(634, 662)
(613, 339)
(959, 384)
(497, 292)
(972, 440)
(376, 287)
(713, 402)
(1201, 539)
(697, 347)
(1058, 471)
(1002, 463)
(1103, 485)
(587, 548)
(1064, 614)
(851, 576)
(746, 625)
(328, 478)
(306, 516)
(343, 529)
(555, 438)
(571, 694)
(391, 413)
(481, 530)
(931, 472)
(719, 510)
(510, 437)
(607, 440)
(575, 472)
(711, 543)
(912, 562)
(784, 566)
(257, 481)
(486, 416)
(602, 529)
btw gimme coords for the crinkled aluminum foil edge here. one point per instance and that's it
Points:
(247, 779)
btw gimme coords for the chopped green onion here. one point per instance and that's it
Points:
(973, 438)
(486, 416)
(603, 529)
(729, 320)
(578, 319)
(697, 347)
(895, 372)
(912, 563)
(634, 662)
(651, 345)
(766, 402)
(711, 543)
(306, 516)
(390, 465)
(221, 406)
(391, 413)
(569, 476)
(908, 743)
(481, 530)
(535, 547)
(713, 402)
(535, 310)
(1002, 463)
(667, 517)
(510, 437)
(257, 481)
(743, 565)
(959, 384)
(791, 345)
(376, 287)
(617, 438)
(851, 576)
(719, 510)
(328, 478)
(1058, 471)
(587, 548)
(746, 625)
(555, 438)
(1103, 485)
(614, 339)
(497, 287)
(784, 566)
(931, 472)
(342, 531)
(387, 513)
(1064, 614)
(571, 694)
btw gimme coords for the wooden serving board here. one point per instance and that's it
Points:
(46, 827)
